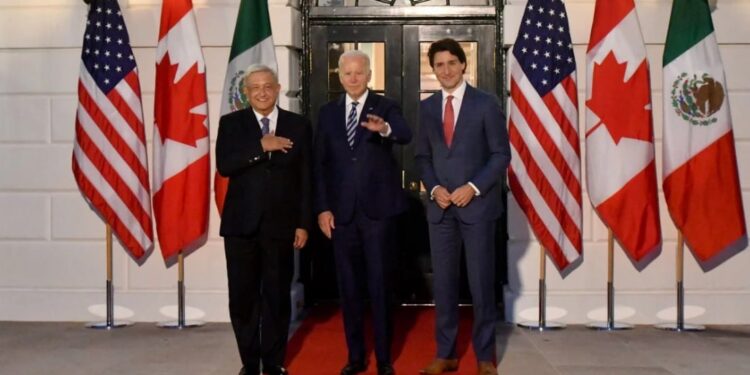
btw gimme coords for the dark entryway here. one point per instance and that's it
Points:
(397, 38)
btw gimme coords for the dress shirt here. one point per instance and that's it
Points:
(272, 117)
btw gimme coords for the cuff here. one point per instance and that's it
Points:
(476, 191)
(432, 192)
(387, 132)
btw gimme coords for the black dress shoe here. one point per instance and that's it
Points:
(386, 369)
(353, 368)
(276, 370)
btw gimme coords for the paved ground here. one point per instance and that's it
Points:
(68, 348)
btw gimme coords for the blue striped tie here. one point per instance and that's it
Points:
(351, 124)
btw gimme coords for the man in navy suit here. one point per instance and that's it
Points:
(463, 153)
(266, 153)
(357, 190)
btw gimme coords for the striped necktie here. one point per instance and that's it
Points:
(351, 124)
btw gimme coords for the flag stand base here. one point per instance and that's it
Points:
(176, 324)
(110, 322)
(181, 322)
(109, 325)
(542, 324)
(680, 327)
(609, 326)
(541, 327)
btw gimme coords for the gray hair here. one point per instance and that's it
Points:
(255, 68)
(355, 53)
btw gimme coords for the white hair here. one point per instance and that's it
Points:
(255, 68)
(355, 53)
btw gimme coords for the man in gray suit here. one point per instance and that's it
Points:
(463, 153)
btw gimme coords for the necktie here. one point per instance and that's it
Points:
(351, 124)
(448, 120)
(265, 129)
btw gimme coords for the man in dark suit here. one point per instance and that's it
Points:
(266, 153)
(357, 197)
(463, 153)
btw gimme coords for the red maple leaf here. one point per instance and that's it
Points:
(622, 106)
(174, 100)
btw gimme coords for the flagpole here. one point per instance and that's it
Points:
(110, 321)
(610, 324)
(181, 323)
(542, 324)
(680, 325)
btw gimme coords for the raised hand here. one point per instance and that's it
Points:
(375, 124)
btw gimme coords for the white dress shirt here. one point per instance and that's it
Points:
(272, 117)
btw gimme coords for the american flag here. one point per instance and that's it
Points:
(109, 155)
(544, 175)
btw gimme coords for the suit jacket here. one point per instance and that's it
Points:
(479, 153)
(275, 188)
(366, 177)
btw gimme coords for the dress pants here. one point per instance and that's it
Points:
(478, 239)
(364, 251)
(260, 270)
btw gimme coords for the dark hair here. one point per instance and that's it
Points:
(449, 45)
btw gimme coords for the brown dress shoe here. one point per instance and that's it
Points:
(439, 366)
(487, 368)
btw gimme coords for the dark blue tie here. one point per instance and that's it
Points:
(351, 124)
(265, 129)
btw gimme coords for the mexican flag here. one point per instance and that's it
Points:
(252, 44)
(701, 183)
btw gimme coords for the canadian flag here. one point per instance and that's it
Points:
(181, 143)
(620, 167)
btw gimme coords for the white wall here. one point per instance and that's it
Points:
(51, 244)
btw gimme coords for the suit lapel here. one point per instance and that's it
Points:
(369, 107)
(282, 126)
(251, 123)
(463, 114)
(435, 106)
(339, 122)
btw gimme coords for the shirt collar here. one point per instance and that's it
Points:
(458, 93)
(360, 100)
(271, 116)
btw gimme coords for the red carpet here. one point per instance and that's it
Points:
(318, 347)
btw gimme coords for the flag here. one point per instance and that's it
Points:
(181, 179)
(252, 44)
(110, 164)
(701, 183)
(544, 175)
(620, 165)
